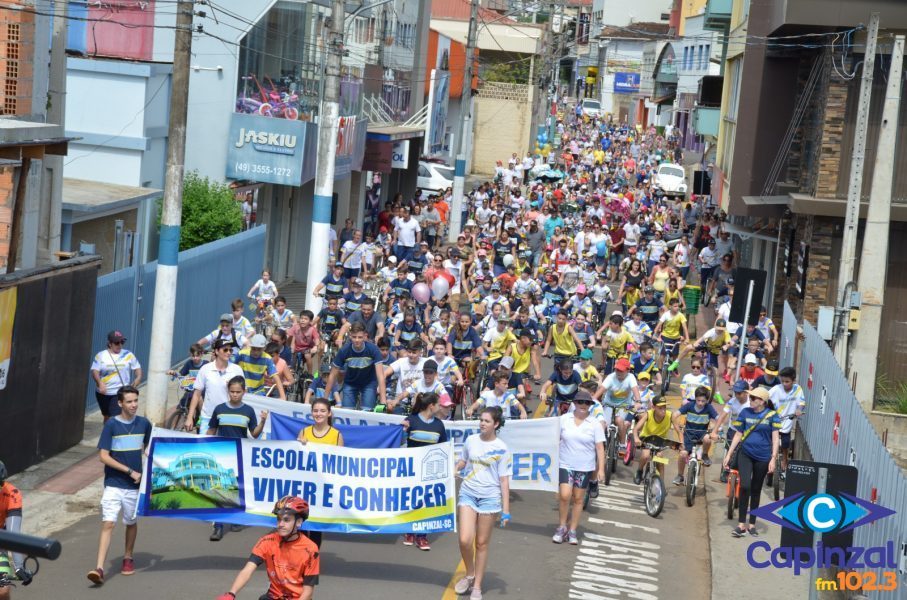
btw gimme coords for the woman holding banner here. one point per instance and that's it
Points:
(322, 432)
(484, 493)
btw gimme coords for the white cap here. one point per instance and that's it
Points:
(470, 223)
(258, 341)
(750, 359)
(392, 259)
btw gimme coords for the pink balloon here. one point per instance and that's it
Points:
(421, 292)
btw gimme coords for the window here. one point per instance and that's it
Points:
(706, 55)
(699, 58)
(686, 58)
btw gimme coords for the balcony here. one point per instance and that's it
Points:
(705, 120)
(718, 15)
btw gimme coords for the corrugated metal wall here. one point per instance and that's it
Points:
(829, 397)
(210, 277)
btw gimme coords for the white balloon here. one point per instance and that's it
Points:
(440, 287)
(508, 260)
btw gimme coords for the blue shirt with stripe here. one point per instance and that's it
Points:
(233, 421)
(125, 442)
(358, 366)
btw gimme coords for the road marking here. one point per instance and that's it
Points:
(622, 525)
(449, 593)
(608, 567)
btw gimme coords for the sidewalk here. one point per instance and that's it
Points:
(732, 576)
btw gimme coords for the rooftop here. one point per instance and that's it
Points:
(459, 10)
(636, 31)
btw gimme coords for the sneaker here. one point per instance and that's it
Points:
(706, 461)
(217, 534)
(96, 576)
(621, 447)
(718, 397)
(476, 594)
(463, 585)
(593, 489)
(727, 377)
(752, 531)
(723, 477)
(782, 475)
(128, 567)
(559, 535)
(673, 366)
(409, 539)
(678, 480)
(236, 528)
(738, 533)
(637, 479)
(422, 543)
(571, 538)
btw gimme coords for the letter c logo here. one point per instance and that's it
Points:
(823, 512)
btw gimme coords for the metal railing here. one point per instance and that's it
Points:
(837, 430)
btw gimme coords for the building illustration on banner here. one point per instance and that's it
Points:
(435, 465)
(195, 475)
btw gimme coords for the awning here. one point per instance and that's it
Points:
(84, 200)
(766, 200)
(769, 235)
(28, 139)
(665, 99)
(393, 133)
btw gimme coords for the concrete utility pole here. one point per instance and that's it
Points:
(168, 255)
(328, 122)
(874, 258)
(854, 192)
(459, 183)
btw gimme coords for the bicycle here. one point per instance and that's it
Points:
(177, 420)
(654, 492)
(463, 398)
(691, 476)
(557, 406)
(732, 492)
(611, 449)
(774, 479)
(670, 351)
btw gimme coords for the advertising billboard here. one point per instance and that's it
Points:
(626, 83)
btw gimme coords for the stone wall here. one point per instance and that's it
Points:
(502, 123)
(819, 233)
(832, 137)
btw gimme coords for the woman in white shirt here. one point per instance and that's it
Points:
(484, 493)
(582, 453)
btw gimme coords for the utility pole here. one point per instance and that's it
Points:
(171, 218)
(874, 257)
(459, 183)
(854, 192)
(328, 122)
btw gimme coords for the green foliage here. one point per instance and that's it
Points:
(891, 396)
(210, 211)
(507, 72)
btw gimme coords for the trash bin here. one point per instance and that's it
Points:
(691, 296)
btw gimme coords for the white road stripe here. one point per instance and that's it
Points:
(622, 525)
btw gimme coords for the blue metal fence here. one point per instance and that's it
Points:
(210, 276)
(837, 430)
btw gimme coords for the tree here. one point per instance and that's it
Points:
(210, 211)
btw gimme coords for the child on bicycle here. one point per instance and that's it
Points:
(694, 380)
(646, 395)
(280, 315)
(499, 396)
(305, 341)
(652, 426)
(701, 421)
(672, 325)
(643, 361)
(584, 367)
(240, 322)
(195, 362)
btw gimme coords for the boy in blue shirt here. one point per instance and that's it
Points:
(701, 425)
(123, 440)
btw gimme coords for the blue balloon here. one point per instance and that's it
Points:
(601, 248)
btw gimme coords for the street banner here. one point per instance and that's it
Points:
(7, 319)
(349, 490)
(534, 443)
(354, 436)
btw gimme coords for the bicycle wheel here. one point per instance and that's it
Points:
(586, 497)
(691, 482)
(176, 421)
(654, 496)
(731, 494)
(666, 381)
(610, 458)
(467, 401)
(628, 455)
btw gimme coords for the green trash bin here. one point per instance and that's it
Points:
(692, 294)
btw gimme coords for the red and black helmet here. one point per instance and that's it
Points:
(292, 504)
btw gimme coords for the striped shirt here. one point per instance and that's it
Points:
(125, 442)
(255, 369)
(115, 370)
(233, 421)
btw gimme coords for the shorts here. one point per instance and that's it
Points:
(576, 479)
(670, 346)
(785, 440)
(614, 259)
(105, 403)
(691, 437)
(114, 500)
(710, 359)
(483, 506)
(622, 413)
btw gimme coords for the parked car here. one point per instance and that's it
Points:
(434, 177)
(671, 180)
(592, 108)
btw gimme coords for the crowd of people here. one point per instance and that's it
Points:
(572, 252)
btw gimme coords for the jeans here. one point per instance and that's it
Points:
(403, 252)
(369, 396)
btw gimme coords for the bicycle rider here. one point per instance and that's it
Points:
(701, 423)
(617, 390)
(652, 426)
(11, 520)
(291, 559)
(563, 382)
(359, 361)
